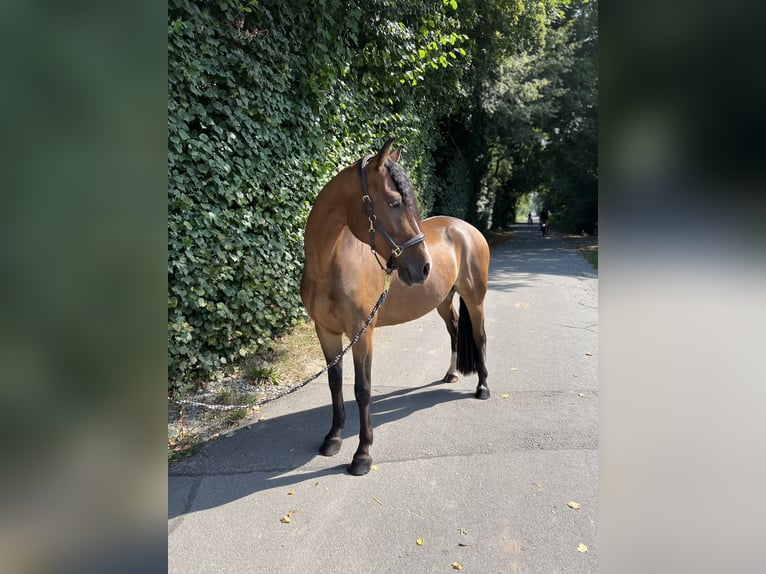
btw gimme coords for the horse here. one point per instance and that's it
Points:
(430, 260)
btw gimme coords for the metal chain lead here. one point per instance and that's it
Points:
(331, 364)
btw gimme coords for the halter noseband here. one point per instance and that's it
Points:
(396, 250)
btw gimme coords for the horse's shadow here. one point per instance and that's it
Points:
(262, 457)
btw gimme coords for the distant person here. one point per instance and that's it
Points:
(529, 218)
(544, 221)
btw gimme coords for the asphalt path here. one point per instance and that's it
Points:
(481, 484)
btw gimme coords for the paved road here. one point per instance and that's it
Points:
(483, 483)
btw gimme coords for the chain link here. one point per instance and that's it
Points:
(330, 365)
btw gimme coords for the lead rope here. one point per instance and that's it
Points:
(331, 364)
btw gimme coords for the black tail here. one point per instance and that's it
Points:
(467, 353)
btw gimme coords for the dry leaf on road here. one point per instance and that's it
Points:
(286, 518)
(420, 542)
(573, 504)
(582, 548)
(457, 565)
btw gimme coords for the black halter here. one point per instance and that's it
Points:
(396, 250)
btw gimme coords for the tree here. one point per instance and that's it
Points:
(544, 121)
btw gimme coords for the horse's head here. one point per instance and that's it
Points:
(392, 209)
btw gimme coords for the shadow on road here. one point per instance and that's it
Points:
(266, 452)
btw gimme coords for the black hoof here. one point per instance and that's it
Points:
(450, 378)
(482, 393)
(331, 446)
(360, 467)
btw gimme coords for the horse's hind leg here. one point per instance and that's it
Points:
(447, 312)
(476, 313)
(332, 345)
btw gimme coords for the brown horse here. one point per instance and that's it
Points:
(433, 259)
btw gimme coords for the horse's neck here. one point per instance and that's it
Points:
(328, 218)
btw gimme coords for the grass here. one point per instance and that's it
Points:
(263, 373)
(592, 257)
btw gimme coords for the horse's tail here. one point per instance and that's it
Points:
(467, 353)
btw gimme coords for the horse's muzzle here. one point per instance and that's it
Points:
(413, 274)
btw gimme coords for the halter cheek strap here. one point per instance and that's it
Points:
(396, 250)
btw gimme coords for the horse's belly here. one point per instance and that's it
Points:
(405, 304)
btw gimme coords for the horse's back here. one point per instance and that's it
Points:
(471, 251)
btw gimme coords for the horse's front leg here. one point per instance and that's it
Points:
(362, 461)
(332, 345)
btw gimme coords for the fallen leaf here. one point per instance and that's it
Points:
(375, 498)
(504, 396)
(463, 532)
(520, 305)
(514, 369)
(539, 487)
(588, 354)
(457, 566)
(580, 394)
(582, 548)
(286, 518)
(374, 467)
(575, 505)
(420, 542)
(290, 492)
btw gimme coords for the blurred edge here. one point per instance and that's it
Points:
(682, 286)
(83, 332)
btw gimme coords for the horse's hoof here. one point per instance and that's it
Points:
(482, 393)
(450, 378)
(331, 446)
(360, 467)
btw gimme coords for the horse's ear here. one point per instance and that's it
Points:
(385, 153)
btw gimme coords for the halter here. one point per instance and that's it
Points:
(396, 250)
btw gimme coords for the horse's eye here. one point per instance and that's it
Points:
(393, 203)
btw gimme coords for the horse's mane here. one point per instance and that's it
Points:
(402, 181)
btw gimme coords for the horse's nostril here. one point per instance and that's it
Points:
(426, 269)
